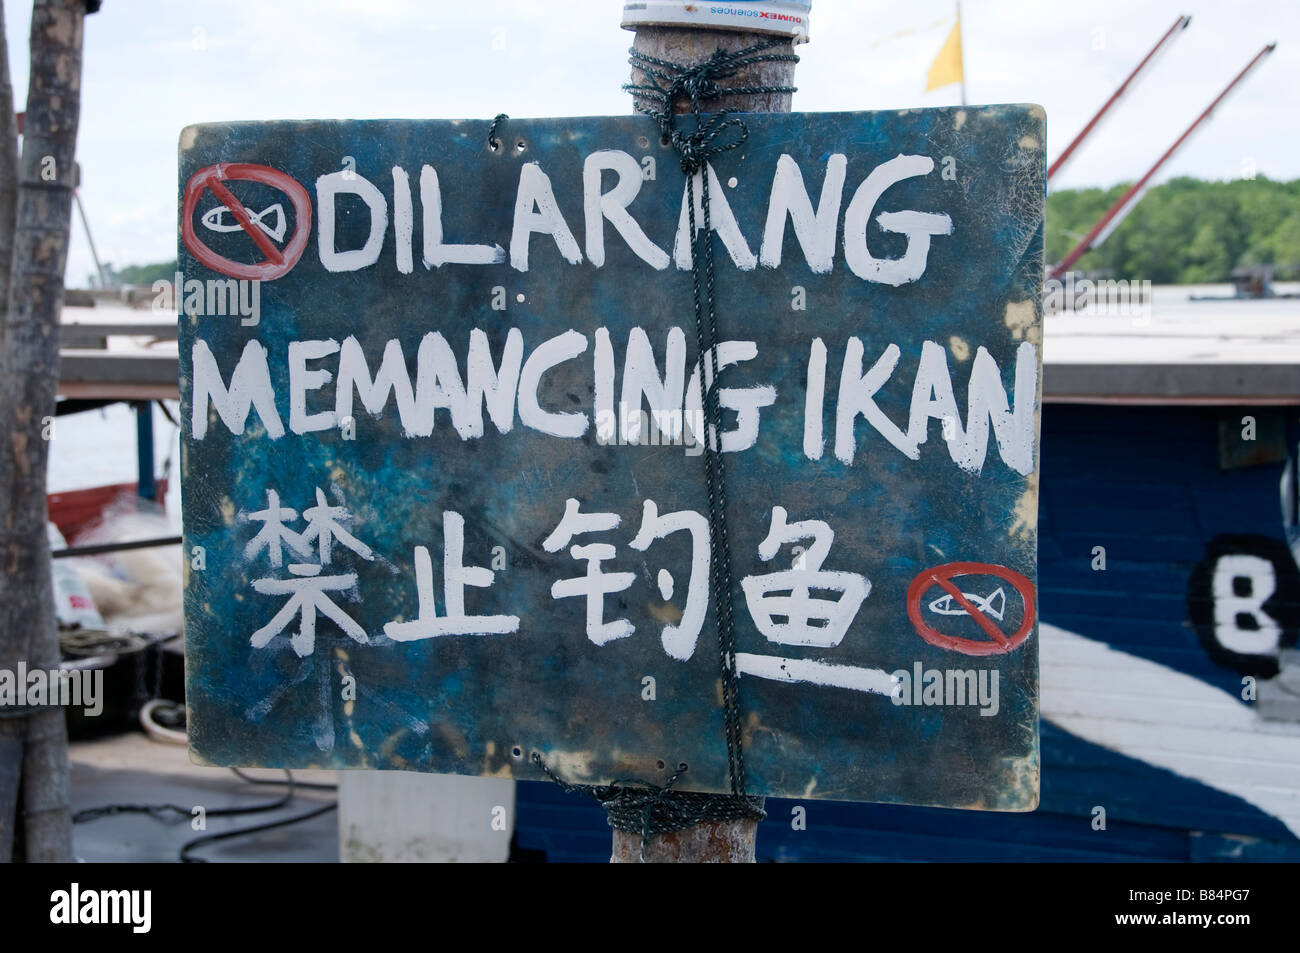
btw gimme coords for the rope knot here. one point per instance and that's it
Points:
(696, 148)
(667, 83)
(699, 83)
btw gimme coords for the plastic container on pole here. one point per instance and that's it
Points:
(779, 17)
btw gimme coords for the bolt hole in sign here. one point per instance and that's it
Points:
(277, 261)
(998, 642)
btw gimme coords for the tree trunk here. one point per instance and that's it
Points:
(11, 746)
(29, 381)
(713, 841)
(8, 169)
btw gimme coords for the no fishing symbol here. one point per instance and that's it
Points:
(979, 608)
(277, 261)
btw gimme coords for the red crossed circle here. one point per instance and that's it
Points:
(942, 576)
(278, 261)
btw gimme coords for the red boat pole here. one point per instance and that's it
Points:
(1124, 200)
(1165, 41)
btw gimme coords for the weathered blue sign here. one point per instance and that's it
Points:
(443, 464)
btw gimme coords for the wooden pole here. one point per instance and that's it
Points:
(961, 54)
(11, 735)
(29, 380)
(8, 170)
(725, 842)
(691, 45)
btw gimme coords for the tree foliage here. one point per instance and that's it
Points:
(141, 274)
(1186, 231)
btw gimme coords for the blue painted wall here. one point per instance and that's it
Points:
(1148, 485)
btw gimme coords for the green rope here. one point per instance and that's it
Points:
(637, 806)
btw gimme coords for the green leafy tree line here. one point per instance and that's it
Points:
(1186, 231)
(137, 274)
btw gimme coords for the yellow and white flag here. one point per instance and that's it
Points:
(946, 67)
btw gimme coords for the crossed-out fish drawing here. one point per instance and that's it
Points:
(214, 220)
(994, 605)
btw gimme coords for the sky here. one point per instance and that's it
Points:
(152, 67)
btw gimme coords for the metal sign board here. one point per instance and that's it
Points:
(443, 452)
